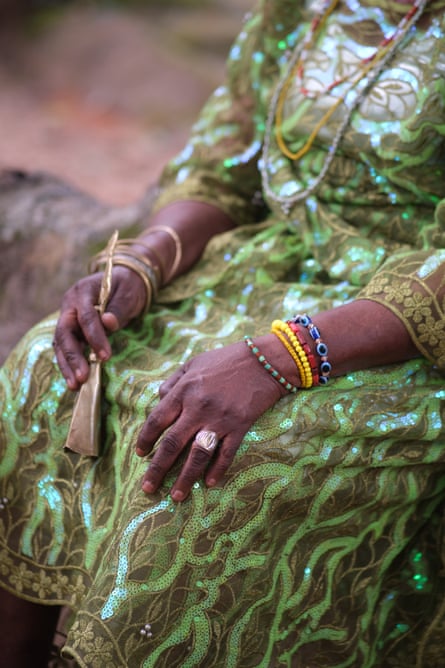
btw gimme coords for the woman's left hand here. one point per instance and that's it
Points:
(222, 391)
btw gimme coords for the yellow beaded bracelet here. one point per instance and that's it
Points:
(301, 352)
(294, 356)
(293, 346)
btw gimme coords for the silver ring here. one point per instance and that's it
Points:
(206, 440)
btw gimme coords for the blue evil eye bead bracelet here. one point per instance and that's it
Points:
(321, 348)
(268, 367)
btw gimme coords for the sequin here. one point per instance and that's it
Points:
(235, 52)
(431, 264)
(327, 487)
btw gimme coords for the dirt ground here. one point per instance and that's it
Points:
(103, 96)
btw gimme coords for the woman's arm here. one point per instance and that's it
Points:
(218, 165)
(194, 223)
(226, 390)
(363, 334)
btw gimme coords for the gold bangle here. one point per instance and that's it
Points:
(130, 263)
(145, 265)
(178, 246)
(158, 267)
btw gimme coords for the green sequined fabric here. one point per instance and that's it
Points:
(325, 545)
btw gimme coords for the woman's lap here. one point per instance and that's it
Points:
(325, 518)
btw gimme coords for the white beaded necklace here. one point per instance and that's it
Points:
(287, 202)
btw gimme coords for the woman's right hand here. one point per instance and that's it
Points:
(80, 324)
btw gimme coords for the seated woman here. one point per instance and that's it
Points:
(286, 383)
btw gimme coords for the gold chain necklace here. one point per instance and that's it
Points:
(373, 64)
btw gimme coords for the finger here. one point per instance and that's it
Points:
(168, 384)
(71, 338)
(160, 419)
(110, 322)
(204, 444)
(92, 327)
(67, 372)
(69, 350)
(168, 451)
(127, 299)
(192, 471)
(223, 458)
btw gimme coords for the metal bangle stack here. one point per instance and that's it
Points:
(126, 256)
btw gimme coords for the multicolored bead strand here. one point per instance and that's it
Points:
(290, 387)
(321, 348)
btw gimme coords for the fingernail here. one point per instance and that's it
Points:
(177, 495)
(148, 487)
(211, 482)
(140, 452)
(78, 374)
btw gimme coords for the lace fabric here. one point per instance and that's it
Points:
(325, 545)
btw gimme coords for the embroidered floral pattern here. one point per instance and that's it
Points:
(334, 496)
(419, 303)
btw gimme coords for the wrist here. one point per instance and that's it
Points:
(165, 244)
(274, 351)
(193, 223)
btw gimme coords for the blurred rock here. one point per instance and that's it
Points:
(48, 231)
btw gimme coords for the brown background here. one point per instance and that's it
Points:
(100, 94)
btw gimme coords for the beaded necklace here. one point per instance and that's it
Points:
(308, 43)
(373, 65)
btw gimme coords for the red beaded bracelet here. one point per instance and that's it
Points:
(310, 356)
(320, 347)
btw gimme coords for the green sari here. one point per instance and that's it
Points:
(324, 546)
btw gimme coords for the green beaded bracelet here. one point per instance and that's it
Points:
(268, 367)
